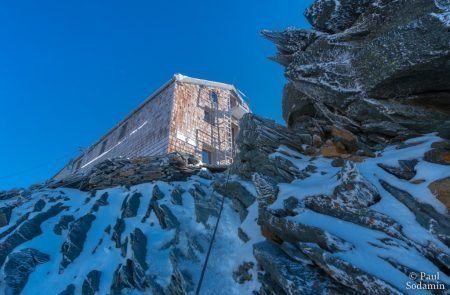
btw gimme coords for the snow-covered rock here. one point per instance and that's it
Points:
(308, 226)
(379, 68)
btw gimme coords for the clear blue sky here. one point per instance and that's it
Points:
(69, 70)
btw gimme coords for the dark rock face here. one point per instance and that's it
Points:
(63, 224)
(91, 283)
(257, 140)
(19, 266)
(76, 237)
(102, 201)
(70, 290)
(404, 171)
(347, 274)
(28, 230)
(130, 205)
(441, 189)
(440, 154)
(289, 276)
(240, 197)
(377, 68)
(5, 215)
(39, 205)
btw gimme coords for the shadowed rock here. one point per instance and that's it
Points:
(70, 290)
(406, 170)
(63, 224)
(76, 237)
(290, 276)
(28, 230)
(91, 283)
(347, 274)
(130, 205)
(19, 266)
(425, 214)
(102, 201)
(5, 215)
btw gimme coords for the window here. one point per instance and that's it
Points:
(102, 150)
(209, 117)
(123, 129)
(213, 96)
(233, 102)
(206, 157)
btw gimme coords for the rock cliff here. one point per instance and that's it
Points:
(378, 68)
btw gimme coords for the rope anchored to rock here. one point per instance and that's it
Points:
(202, 275)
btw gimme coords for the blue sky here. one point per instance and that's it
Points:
(69, 70)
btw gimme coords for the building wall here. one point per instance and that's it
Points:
(189, 132)
(146, 134)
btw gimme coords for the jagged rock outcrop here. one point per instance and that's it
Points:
(378, 68)
(257, 140)
(5, 215)
(76, 237)
(19, 266)
(91, 283)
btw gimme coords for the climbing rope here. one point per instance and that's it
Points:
(199, 286)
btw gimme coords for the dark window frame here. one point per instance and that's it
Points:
(214, 97)
(209, 156)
